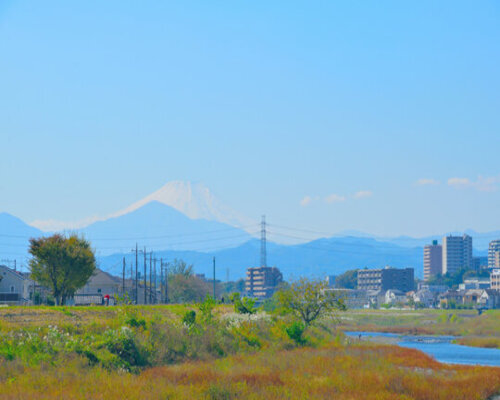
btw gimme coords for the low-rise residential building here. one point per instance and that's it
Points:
(472, 296)
(386, 278)
(395, 296)
(489, 299)
(15, 287)
(475, 283)
(425, 297)
(352, 298)
(262, 282)
(451, 298)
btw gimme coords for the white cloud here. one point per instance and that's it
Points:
(482, 184)
(459, 182)
(306, 201)
(487, 184)
(427, 181)
(363, 194)
(334, 198)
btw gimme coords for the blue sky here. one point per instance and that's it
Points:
(381, 117)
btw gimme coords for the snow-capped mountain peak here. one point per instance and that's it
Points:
(195, 201)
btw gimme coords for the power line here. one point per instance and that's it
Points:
(144, 237)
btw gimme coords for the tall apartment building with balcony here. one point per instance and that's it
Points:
(494, 254)
(386, 278)
(457, 253)
(495, 279)
(433, 260)
(261, 282)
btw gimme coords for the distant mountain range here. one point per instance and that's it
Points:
(185, 221)
(315, 259)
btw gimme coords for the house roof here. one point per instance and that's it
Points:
(17, 274)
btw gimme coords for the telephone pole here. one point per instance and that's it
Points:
(166, 283)
(150, 277)
(123, 278)
(136, 275)
(161, 281)
(154, 281)
(214, 278)
(145, 271)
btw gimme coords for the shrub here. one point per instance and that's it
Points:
(245, 305)
(206, 309)
(123, 344)
(295, 331)
(189, 318)
(134, 321)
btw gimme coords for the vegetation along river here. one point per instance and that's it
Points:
(439, 347)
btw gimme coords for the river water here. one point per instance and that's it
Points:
(439, 347)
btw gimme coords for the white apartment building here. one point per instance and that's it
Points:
(457, 253)
(495, 279)
(494, 254)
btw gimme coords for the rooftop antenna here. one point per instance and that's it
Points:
(263, 255)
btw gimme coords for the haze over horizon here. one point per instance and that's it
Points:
(332, 117)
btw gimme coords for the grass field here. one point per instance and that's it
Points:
(149, 353)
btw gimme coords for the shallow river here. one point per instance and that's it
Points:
(439, 347)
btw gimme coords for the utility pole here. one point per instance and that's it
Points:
(166, 283)
(154, 281)
(123, 278)
(131, 289)
(150, 277)
(136, 275)
(214, 278)
(161, 281)
(145, 281)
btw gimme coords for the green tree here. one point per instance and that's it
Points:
(62, 264)
(179, 267)
(245, 305)
(347, 280)
(309, 300)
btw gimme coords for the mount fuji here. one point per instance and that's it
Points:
(195, 201)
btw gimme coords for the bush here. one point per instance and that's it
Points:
(189, 318)
(295, 331)
(134, 321)
(245, 305)
(122, 343)
(206, 309)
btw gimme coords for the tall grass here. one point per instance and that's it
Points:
(332, 372)
(159, 353)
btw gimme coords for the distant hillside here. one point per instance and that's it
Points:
(480, 240)
(316, 259)
(157, 225)
(14, 237)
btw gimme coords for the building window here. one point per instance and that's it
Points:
(98, 290)
(12, 289)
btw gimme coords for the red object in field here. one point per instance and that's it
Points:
(106, 297)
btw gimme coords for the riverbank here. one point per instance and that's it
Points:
(156, 352)
(360, 371)
(470, 328)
